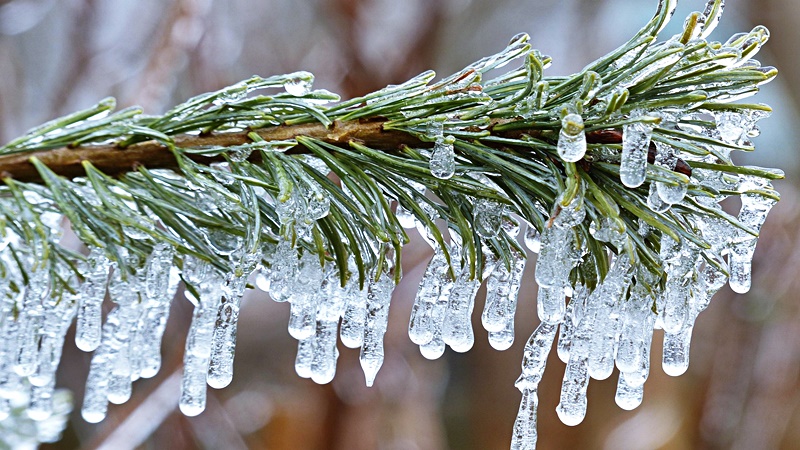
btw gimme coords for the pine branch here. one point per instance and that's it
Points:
(613, 175)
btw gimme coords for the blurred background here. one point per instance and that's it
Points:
(742, 390)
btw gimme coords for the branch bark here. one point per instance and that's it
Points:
(114, 160)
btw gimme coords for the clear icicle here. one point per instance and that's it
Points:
(331, 307)
(654, 200)
(355, 314)
(457, 330)
(571, 408)
(571, 139)
(533, 364)
(30, 322)
(92, 293)
(668, 193)
(635, 144)
(572, 318)
(535, 355)
(502, 290)
(602, 316)
(443, 158)
(675, 359)
(435, 347)
(220, 370)
(753, 213)
(378, 299)
(199, 339)
(161, 283)
(420, 326)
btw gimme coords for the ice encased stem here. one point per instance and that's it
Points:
(635, 145)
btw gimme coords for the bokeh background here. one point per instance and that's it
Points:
(742, 390)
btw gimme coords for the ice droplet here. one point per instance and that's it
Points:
(635, 144)
(299, 85)
(372, 352)
(443, 158)
(488, 217)
(571, 139)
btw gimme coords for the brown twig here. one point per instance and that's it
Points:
(114, 160)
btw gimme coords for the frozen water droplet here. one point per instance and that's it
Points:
(443, 158)
(571, 139)
(635, 144)
(488, 217)
(300, 85)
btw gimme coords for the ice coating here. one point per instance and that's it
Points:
(443, 158)
(571, 139)
(635, 144)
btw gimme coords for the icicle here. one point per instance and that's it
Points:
(571, 139)
(420, 326)
(668, 193)
(434, 348)
(753, 213)
(378, 299)
(443, 158)
(457, 330)
(355, 314)
(303, 298)
(635, 144)
(198, 341)
(161, 283)
(502, 289)
(676, 352)
(29, 324)
(557, 242)
(602, 317)
(220, 370)
(533, 364)
(571, 408)
(331, 307)
(654, 200)
(572, 317)
(283, 271)
(92, 293)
